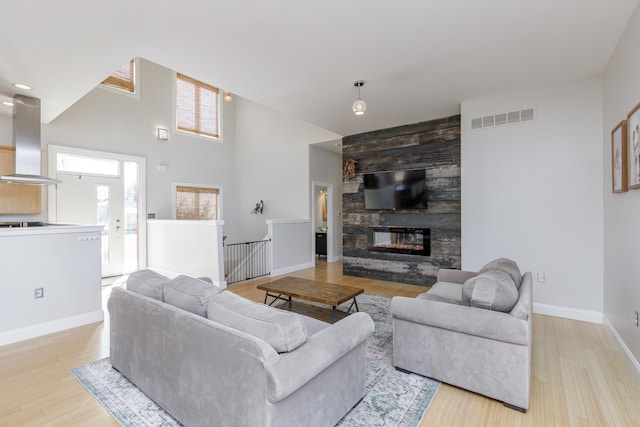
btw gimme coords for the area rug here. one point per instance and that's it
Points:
(393, 398)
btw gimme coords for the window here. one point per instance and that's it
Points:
(123, 78)
(66, 162)
(196, 107)
(197, 202)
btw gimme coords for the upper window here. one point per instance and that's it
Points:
(196, 107)
(123, 78)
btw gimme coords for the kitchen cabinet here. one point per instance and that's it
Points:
(16, 198)
(50, 280)
(321, 244)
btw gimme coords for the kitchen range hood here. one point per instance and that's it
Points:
(26, 138)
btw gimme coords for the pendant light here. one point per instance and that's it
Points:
(359, 106)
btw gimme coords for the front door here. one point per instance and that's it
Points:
(86, 199)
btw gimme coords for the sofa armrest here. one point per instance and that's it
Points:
(454, 276)
(480, 322)
(321, 350)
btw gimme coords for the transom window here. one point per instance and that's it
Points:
(196, 107)
(197, 202)
(66, 162)
(123, 78)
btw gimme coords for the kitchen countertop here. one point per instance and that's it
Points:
(48, 228)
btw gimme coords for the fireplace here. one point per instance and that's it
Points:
(413, 241)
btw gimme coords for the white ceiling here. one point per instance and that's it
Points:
(420, 58)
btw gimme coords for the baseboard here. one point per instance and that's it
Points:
(34, 331)
(291, 269)
(630, 357)
(335, 258)
(568, 313)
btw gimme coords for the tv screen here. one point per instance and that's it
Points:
(395, 190)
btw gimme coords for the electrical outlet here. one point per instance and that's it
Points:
(636, 319)
(541, 278)
(151, 216)
(38, 293)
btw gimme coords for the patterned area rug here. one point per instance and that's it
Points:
(393, 398)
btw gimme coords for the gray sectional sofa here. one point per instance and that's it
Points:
(213, 358)
(471, 330)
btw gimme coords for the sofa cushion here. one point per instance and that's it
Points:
(147, 283)
(506, 265)
(444, 292)
(491, 290)
(283, 330)
(190, 294)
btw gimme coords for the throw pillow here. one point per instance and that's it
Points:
(492, 290)
(190, 294)
(506, 265)
(283, 330)
(147, 283)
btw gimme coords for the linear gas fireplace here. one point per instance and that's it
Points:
(413, 241)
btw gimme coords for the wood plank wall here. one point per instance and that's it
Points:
(432, 145)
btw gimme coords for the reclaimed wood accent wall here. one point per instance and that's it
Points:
(432, 145)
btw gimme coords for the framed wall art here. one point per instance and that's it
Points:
(619, 166)
(633, 136)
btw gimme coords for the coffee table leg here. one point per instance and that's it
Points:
(275, 298)
(335, 314)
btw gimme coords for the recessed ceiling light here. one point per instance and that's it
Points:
(7, 103)
(22, 86)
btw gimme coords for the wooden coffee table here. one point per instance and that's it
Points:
(311, 290)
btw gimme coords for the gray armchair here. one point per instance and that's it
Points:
(482, 350)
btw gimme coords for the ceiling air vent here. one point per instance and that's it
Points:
(503, 119)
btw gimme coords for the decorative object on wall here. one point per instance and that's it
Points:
(349, 169)
(258, 208)
(163, 134)
(323, 201)
(633, 136)
(227, 96)
(619, 167)
(359, 106)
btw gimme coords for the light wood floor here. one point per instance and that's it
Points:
(579, 376)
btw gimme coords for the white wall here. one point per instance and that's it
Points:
(621, 211)
(291, 245)
(326, 166)
(533, 192)
(272, 165)
(187, 247)
(109, 121)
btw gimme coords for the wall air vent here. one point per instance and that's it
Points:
(503, 119)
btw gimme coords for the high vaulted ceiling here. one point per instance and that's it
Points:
(420, 58)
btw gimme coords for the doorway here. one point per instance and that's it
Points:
(322, 221)
(86, 199)
(103, 189)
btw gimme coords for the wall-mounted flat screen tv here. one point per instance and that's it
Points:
(395, 190)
